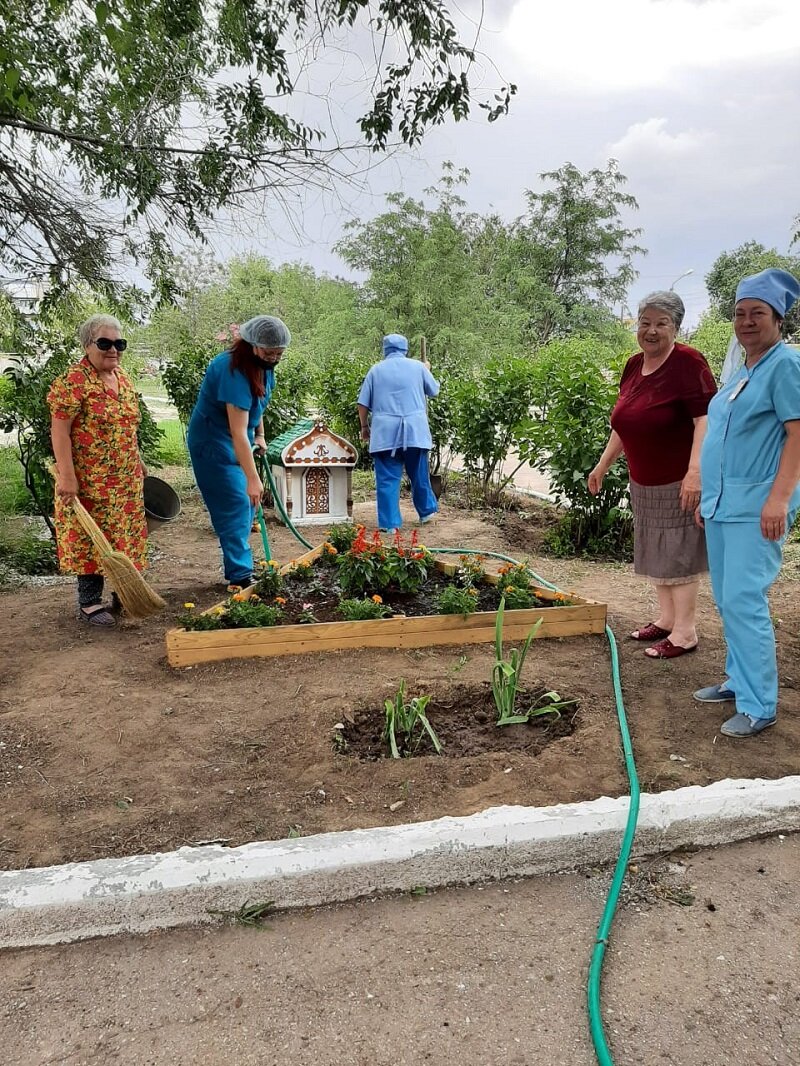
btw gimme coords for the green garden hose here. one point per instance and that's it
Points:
(601, 1049)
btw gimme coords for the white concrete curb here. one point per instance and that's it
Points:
(60, 904)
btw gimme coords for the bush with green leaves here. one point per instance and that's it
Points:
(28, 554)
(492, 408)
(577, 387)
(337, 383)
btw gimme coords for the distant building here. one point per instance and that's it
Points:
(26, 296)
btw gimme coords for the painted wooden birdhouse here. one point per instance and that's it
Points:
(312, 468)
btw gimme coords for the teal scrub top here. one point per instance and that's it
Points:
(220, 387)
(745, 437)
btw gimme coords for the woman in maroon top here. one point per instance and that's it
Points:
(659, 422)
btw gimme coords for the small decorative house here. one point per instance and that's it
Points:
(312, 469)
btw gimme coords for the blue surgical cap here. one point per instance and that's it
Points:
(778, 288)
(394, 342)
(265, 331)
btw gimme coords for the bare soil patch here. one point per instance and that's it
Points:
(106, 750)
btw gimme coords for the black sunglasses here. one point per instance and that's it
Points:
(105, 345)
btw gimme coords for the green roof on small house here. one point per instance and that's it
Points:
(277, 444)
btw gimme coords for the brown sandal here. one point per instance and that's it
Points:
(665, 649)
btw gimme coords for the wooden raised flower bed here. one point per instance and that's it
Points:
(186, 648)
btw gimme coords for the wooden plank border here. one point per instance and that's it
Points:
(189, 647)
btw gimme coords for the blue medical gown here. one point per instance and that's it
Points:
(222, 482)
(394, 391)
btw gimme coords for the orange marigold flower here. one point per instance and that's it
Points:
(280, 599)
(238, 597)
(377, 599)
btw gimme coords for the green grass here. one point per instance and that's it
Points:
(172, 450)
(14, 497)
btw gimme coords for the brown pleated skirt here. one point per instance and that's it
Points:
(668, 547)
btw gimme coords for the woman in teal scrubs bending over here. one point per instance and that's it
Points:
(750, 470)
(226, 424)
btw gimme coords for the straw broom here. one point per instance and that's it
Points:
(135, 595)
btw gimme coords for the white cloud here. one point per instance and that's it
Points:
(652, 140)
(625, 44)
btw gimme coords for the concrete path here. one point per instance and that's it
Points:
(702, 970)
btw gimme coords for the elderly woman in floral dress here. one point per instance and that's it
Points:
(659, 421)
(94, 424)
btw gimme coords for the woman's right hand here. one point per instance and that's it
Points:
(67, 486)
(255, 490)
(595, 480)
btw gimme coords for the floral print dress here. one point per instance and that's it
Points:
(105, 453)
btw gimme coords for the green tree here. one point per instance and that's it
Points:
(425, 279)
(125, 120)
(568, 260)
(729, 268)
(712, 337)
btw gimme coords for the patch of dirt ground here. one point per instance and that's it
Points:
(106, 750)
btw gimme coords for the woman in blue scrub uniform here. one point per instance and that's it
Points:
(750, 471)
(226, 424)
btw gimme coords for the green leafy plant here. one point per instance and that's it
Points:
(300, 571)
(28, 554)
(506, 673)
(407, 722)
(353, 610)
(307, 615)
(249, 914)
(520, 599)
(470, 570)
(269, 580)
(456, 600)
(361, 567)
(405, 568)
(577, 384)
(236, 613)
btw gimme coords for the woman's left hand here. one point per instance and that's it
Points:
(773, 520)
(690, 490)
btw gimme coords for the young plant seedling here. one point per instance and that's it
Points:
(408, 721)
(506, 675)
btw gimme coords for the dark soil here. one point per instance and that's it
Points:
(323, 592)
(463, 718)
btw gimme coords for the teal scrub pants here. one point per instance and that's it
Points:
(389, 471)
(223, 486)
(743, 565)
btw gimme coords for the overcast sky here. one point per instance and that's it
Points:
(699, 100)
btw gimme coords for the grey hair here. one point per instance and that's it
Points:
(89, 329)
(664, 300)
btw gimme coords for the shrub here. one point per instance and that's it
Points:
(492, 407)
(29, 554)
(337, 384)
(577, 390)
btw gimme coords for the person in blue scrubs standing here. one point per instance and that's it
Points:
(394, 393)
(750, 471)
(226, 424)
